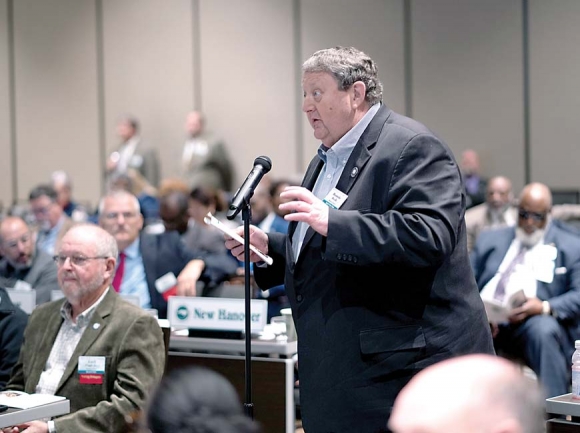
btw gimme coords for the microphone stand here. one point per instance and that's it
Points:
(246, 217)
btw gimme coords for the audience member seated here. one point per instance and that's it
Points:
(132, 157)
(145, 258)
(197, 400)
(12, 323)
(541, 256)
(469, 394)
(500, 210)
(220, 264)
(51, 221)
(205, 160)
(23, 265)
(145, 193)
(474, 182)
(92, 324)
(62, 184)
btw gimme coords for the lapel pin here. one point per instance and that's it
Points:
(96, 326)
(354, 172)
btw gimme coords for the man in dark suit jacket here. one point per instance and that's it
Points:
(382, 285)
(148, 257)
(93, 325)
(542, 331)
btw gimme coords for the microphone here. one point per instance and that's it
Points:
(262, 165)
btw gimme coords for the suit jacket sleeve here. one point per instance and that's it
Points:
(424, 211)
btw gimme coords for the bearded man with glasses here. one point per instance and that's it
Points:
(541, 257)
(99, 351)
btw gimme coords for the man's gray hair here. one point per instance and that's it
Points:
(347, 65)
(116, 194)
(105, 244)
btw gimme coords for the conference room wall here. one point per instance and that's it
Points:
(70, 69)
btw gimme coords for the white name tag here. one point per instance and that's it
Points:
(92, 364)
(223, 314)
(23, 299)
(166, 282)
(335, 198)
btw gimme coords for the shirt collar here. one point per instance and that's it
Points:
(343, 147)
(83, 318)
(132, 250)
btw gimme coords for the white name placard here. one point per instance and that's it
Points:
(223, 314)
(25, 299)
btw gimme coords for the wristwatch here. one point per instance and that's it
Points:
(546, 309)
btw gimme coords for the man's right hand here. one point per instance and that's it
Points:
(258, 238)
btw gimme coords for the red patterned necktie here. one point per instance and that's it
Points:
(119, 273)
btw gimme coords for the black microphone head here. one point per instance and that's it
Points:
(265, 162)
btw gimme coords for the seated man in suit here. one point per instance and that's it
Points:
(91, 325)
(471, 393)
(23, 264)
(12, 323)
(473, 181)
(52, 222)
(541, 256)
(144, 258)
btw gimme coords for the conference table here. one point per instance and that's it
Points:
(563, 414)
(272, 372)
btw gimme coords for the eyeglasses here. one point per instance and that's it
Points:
(536, 216)
(115, 215)
(41, 210)
(75, 260)
(13, 243)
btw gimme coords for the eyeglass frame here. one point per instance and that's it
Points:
(536, 216)
(115, 215)
(74, 260)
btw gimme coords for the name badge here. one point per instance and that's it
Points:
(335, 198)
(91, 370)
(167, 285)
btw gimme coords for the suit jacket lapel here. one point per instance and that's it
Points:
(308, 182)
(357, 160)
(91, 333)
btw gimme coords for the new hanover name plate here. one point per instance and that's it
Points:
(221, 314)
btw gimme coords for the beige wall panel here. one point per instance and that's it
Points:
(467, 78)
(373, 26)
(554, 93)
(56, 93)
(148, 70)
(5, 119)
(248, 84)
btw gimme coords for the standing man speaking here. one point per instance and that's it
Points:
(375, 261)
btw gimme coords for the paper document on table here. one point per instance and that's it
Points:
(213, 221)
(498, 312)
(22, 400)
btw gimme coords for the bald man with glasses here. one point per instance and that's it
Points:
(540, 256)
(23, 264)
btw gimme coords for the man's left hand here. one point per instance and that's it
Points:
(306, 207)
(532, 307)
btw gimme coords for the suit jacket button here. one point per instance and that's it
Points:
(339, 256)
(299, 298)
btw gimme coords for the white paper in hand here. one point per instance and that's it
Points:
(213, 221)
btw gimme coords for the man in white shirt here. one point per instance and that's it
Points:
(541, 258)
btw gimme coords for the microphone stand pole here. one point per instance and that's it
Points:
(246, 217)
